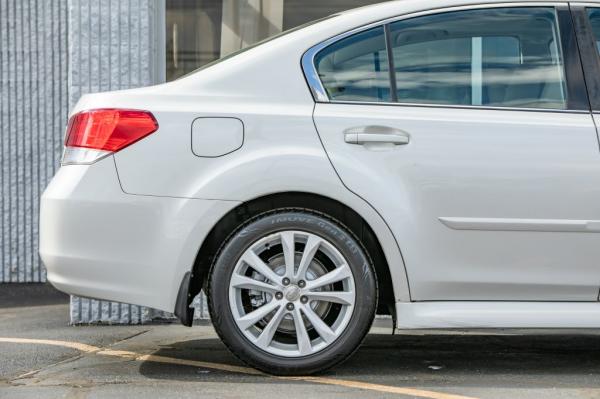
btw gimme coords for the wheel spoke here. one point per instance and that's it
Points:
(319, 325)
(266, 336)
(250, 319)
(337, 274)
(304, 346)
(289, 254)
(239, 281)
(318, 274)
(341, 297)
(255, 262)
(311, 247)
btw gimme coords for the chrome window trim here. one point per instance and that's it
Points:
(320, 95)
(451, 106)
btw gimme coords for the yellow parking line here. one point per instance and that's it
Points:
(380, 388)
(66, 344)
(129, 355)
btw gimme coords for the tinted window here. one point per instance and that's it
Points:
(594, 14)
(506, 57)
(356, 68)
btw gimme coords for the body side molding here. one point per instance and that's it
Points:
(539, 225)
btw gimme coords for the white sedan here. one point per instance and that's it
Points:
(436, 161)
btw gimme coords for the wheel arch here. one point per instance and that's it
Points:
(369, 227)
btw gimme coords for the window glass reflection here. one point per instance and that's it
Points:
(356, 68)
(506, 57)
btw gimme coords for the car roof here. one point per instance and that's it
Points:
(399, 7)
(379, 11)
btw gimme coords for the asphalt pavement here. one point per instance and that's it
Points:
(42, 357)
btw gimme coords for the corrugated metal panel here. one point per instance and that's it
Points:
(113, 45)
(33, 109)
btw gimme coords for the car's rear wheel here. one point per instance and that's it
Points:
(292, 292)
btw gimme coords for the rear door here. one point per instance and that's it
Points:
(469, 131)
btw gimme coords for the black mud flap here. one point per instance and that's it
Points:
(183, 311)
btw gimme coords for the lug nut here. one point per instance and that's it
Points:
(301, 283)
(286, 281)
(278, 295)
(303, 299)
(290, 306)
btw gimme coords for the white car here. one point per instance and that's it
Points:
(437, 161)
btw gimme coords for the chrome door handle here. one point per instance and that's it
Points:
(376, 134)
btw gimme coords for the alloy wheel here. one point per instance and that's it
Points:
(292, 293)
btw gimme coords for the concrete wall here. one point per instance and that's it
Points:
(246, 22)
(33, 111)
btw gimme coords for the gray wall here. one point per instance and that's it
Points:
(114, 44)
(33, 111)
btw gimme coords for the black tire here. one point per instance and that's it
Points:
(345, 242)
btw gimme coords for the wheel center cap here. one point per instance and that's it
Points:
(292, 293)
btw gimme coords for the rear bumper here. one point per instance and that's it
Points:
(96, 241)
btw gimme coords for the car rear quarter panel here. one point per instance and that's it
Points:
(97, 241)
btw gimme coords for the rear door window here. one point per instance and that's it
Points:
(356, 68)
(504, 57)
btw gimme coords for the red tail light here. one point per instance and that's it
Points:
(109, 129)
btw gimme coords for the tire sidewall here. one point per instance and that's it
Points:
(351, 250)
